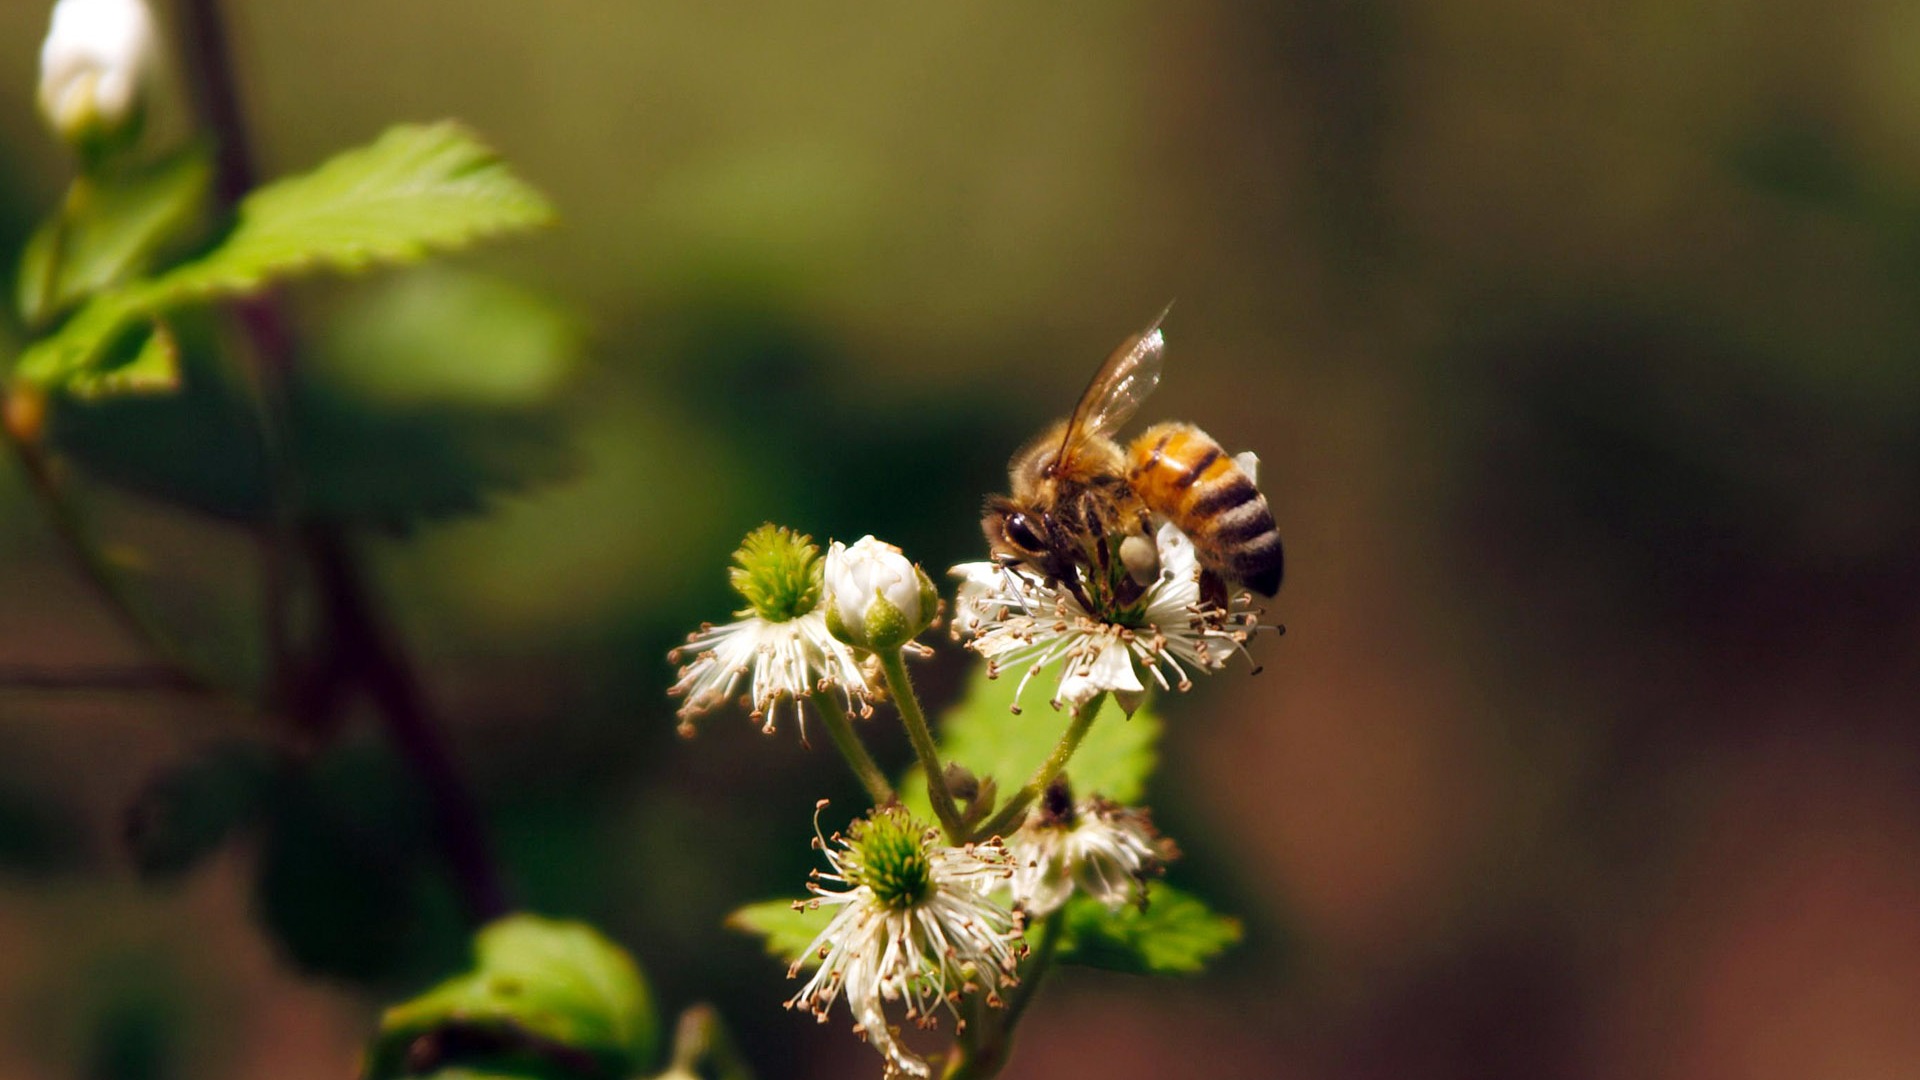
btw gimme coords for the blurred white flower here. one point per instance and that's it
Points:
(1015, 619)
(1098, 846)
(95, 64)
(876, 597)
(916, 923)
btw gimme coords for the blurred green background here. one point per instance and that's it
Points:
(1579, 345)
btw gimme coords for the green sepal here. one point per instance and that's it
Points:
(544, 998)
(837, 626)
(1176, 934)
(885, 626)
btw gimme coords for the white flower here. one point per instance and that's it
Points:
(95, 64)
(916, 923)
(1015, 619)
(1099, 847)
(779, 642)
(781, 661)
(876, 597)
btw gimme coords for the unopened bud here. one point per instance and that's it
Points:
(876, 597)
(95, 68)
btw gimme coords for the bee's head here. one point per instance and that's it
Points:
(1014, 532)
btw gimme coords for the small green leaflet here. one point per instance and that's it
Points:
(545, 998)
(107, 230)
(985, 735)
(786, 932)
(154, 369)
(1176, 935)
(413, 191)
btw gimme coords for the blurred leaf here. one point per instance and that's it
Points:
(136, 1038)
(109, 230)
(444, 335)
(350, 880)
(413, 191)
(786, 932)
(154, 369)
(431, 394)
(395, 449)
(544, 998)
(1176, 935)
(981, 732)
(187, 812)
(41, 833)
(198, 448)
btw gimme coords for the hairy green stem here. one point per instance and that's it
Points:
(1010, 815)
(840, 727)
(895, 667)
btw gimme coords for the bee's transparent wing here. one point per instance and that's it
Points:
(1118, 388)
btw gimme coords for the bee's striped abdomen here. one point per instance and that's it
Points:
(1179, 471)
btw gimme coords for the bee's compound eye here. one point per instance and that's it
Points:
(1020, 531)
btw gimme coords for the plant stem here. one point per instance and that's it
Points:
(840, 727)
(360, 642)
(270, 341)
(104, 677)
(371, 650)
(1063, 751)
(901, 685)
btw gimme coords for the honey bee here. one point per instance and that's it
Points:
(1079, 502)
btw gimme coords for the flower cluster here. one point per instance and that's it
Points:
(1016, 619)
(916, 922)
(923, 918)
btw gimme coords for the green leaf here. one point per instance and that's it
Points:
(544, 998)
(348, 880)
(984, 734)
(154, 369)
(413, 191)
(1176, 935)
(787, 933)
(432, 394)
(185, 813)
(108, 230)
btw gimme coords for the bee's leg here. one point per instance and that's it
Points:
(1072, 581)
(1213, 590)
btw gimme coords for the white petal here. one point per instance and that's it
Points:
(1111, 669)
